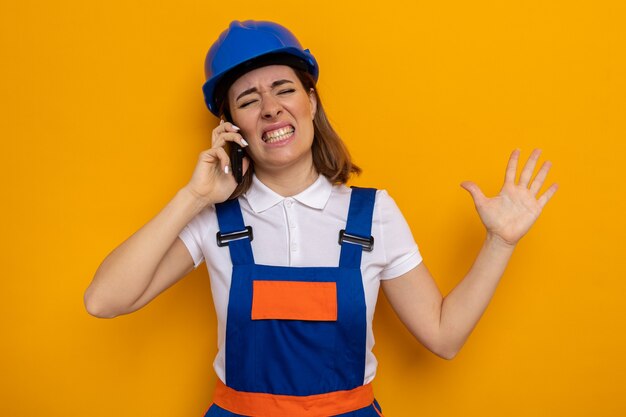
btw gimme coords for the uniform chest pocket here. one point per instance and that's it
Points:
(294, 300)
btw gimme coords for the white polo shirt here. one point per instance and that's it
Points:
(301, 231)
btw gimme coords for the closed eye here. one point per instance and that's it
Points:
(290, 90)
(246, 104)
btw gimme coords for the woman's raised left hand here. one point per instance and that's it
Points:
(509, 215)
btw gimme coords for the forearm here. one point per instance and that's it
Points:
(126, 272)
(464, 305)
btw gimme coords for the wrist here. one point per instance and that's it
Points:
(494, 240)
(193, 199)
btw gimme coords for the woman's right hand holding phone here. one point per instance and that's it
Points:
(212, 180)
(154, 257)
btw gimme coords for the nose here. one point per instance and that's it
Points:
(271, 107)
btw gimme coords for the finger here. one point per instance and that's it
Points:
(475, 191)
(511, 167)
(210, 155)
(545, 197)
(535, 186)
(216, 155)
(236, 137)
(221, 139)
(222, 128)
(226, 127)
(220, 153)
(231, 127)
(529, 168)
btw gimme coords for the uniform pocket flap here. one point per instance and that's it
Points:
(294, 300)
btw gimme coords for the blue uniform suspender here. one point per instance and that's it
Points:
(355, 238)
(358, 232)
(231, 224)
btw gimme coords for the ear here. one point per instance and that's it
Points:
(313, 100)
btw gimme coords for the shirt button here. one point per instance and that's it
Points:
(294, 247)
(289, 203)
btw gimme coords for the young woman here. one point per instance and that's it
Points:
(295, 257)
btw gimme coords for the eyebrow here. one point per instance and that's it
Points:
(254, 89)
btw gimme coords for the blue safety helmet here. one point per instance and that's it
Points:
(248, 45)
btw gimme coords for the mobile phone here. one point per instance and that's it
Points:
(236, 161)
(236, 157)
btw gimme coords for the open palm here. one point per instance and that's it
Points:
(511, 213)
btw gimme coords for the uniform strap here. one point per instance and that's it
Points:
(357, 235)
(234, 233)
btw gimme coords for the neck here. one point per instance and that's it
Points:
(288, 181)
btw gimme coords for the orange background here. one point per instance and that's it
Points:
(102, 121)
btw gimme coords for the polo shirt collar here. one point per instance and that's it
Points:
(261, 197)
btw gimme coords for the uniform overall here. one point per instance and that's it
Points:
(296, 336)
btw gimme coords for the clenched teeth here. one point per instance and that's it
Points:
(278, 134)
